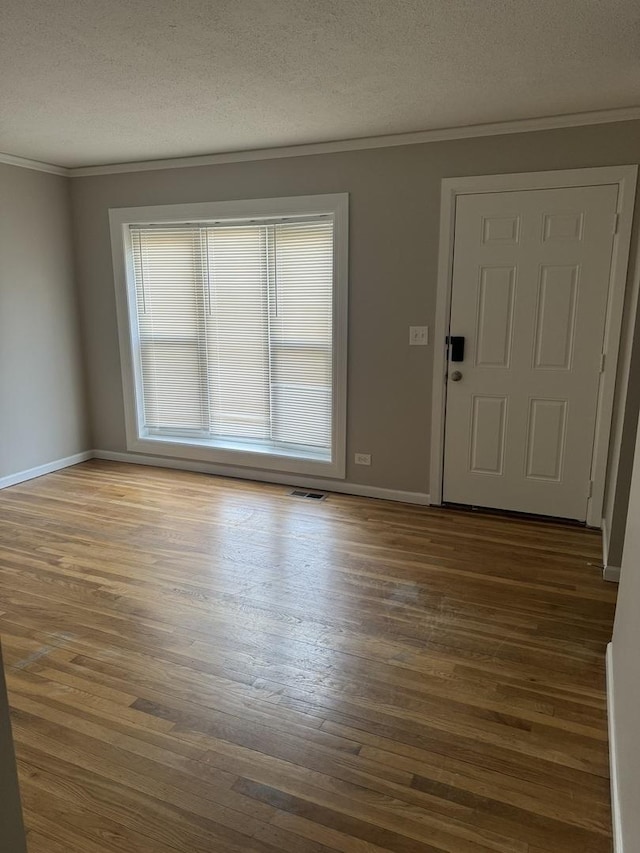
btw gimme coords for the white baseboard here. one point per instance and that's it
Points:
(340, 486)
(613, 760)
(47, 468)
(611, 573)
(327, 485)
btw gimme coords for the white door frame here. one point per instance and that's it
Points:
(625, 177)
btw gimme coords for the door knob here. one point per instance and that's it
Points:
(456, 376)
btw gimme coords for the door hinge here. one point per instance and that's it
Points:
(616, 222)
(602, 361)
(590, 489)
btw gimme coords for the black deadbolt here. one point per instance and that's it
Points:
(456, 343)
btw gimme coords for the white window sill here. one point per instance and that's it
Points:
(241, 455)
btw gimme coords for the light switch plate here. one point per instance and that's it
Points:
(418, 336)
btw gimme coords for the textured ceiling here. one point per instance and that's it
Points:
(101, 81)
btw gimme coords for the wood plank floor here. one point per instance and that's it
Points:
(199, 665)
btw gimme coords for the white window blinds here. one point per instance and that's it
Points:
(234, 332)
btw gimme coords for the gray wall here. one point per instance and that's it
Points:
(11, 827)
(626, 671)
(395, 201)
(42, 402)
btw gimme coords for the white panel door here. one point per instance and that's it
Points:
(530, 288)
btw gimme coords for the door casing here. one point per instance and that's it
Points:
(625, 178)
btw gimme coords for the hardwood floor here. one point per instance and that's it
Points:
(200, 664)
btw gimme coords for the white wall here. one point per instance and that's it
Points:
(625, 671)
(42, 402)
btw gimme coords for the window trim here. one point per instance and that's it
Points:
(335, 204)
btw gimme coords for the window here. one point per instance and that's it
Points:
(232, 321)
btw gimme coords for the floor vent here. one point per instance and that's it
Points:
(312, 496)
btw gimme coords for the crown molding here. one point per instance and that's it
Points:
(470, 131)
(34, 165)
(391, 140)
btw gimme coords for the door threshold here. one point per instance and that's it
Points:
(509, 513)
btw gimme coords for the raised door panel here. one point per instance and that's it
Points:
(488, 420)
(556, 316)
(546, 433)
(563, 227)
(494, 325)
